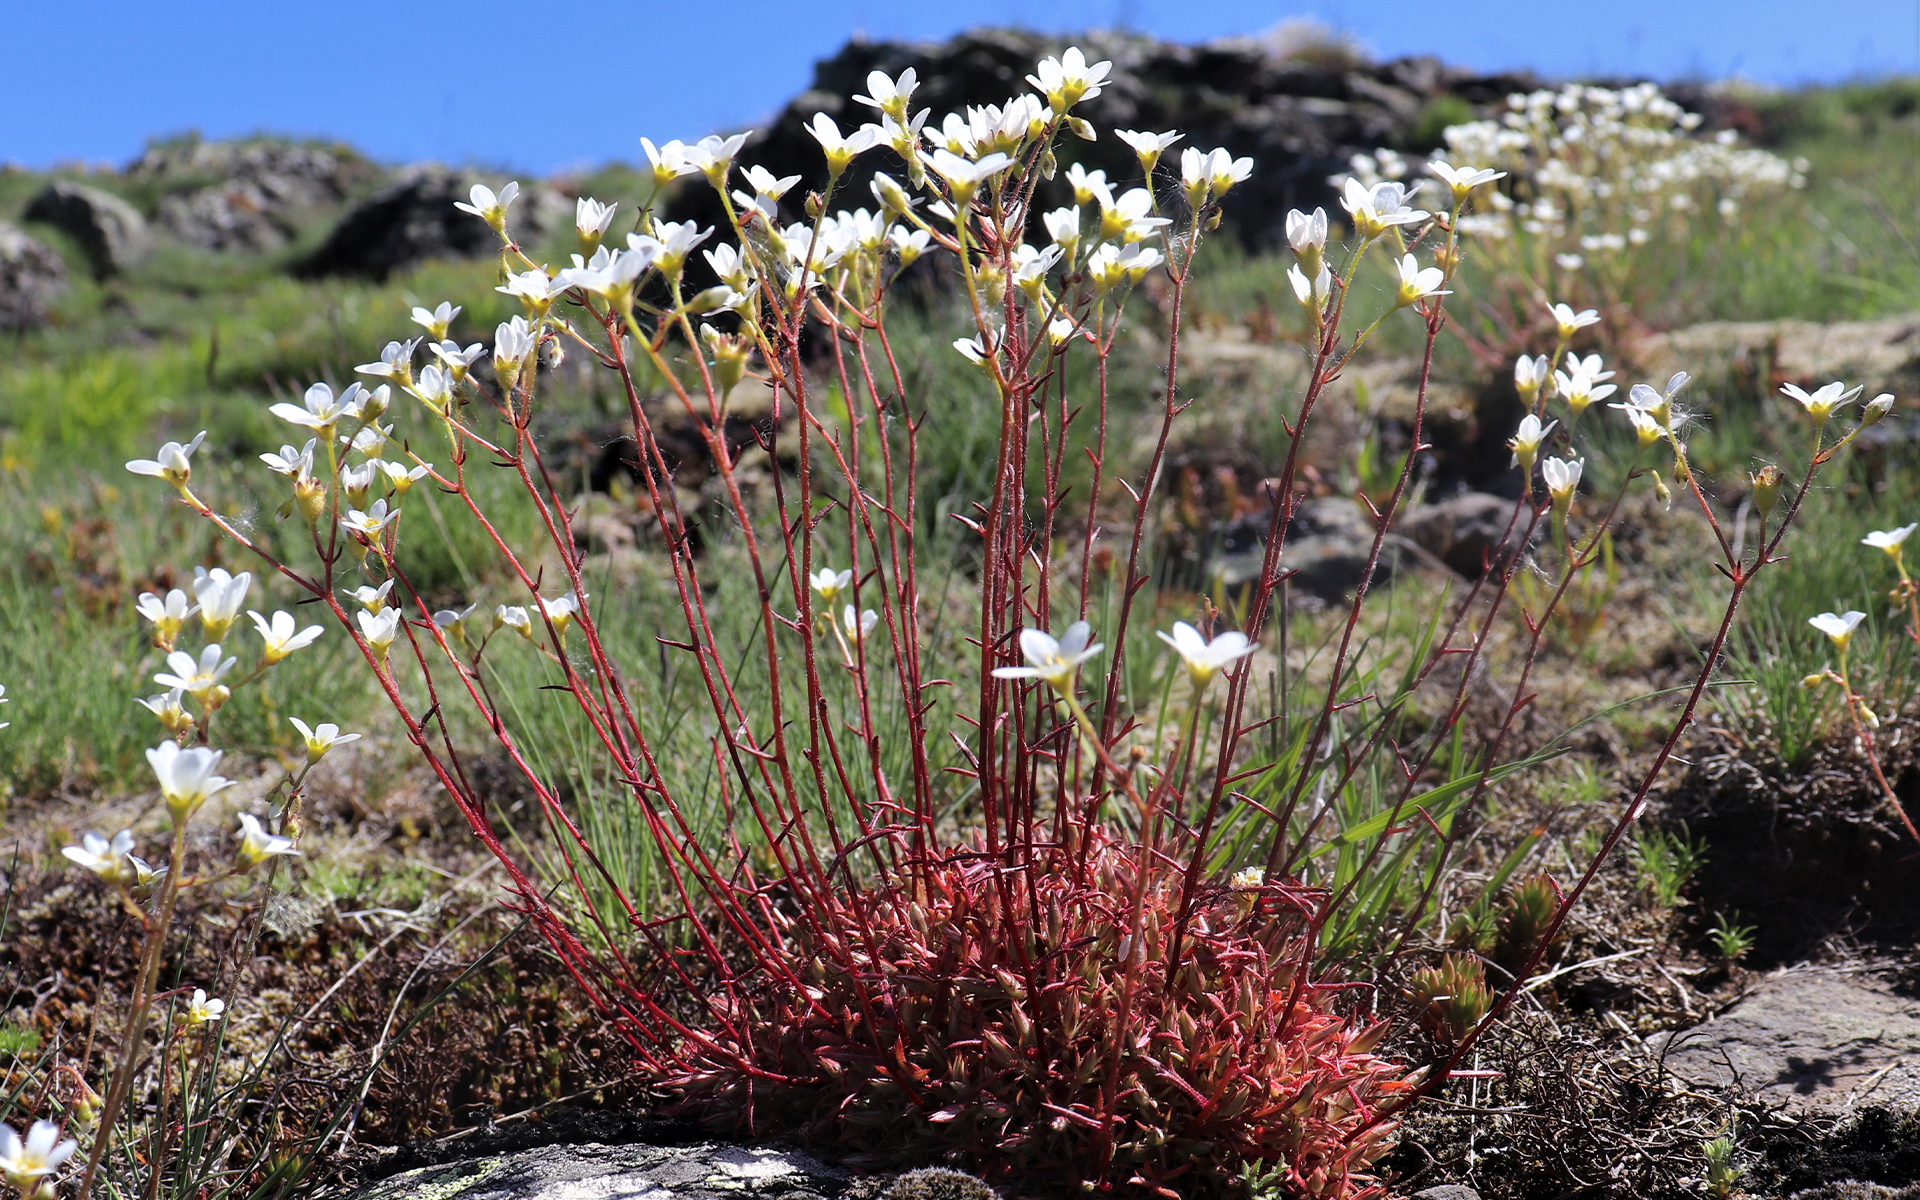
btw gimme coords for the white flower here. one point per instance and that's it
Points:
(1060, 330)
(371, 523)
(359, 404)
(1562, 476)
(1821, 404)
(891, 97)
(107, 859)
(1526, 441)
(433, 387)
(667, 163)
(612, 274)
(321, 738)
(456, 360)
(713, 155)
(1088, 184)
(294, 464)
(168, 616)
(4, 700)
(908, 245)
(964, 177)
(829, 583)
(396, 361)
(1890, 540)
(1313, 294)
(590, 221)
(560, 611)
(1063, 226)
(1417, 284)
(437, 319)
(1567, 321)
(379, 629)
(199, 679)
(1067, 80)
(974, 352)
(488, 207)
(1247, 878)
(220, 595)
(1307, 235)
(670, 244)
(1204, 659)
(25, 1163)
(257, 845)
(1054, 662)
(1224, 170)
(1149, 146)
(1645, 427)
(840, 151)
(201, 1009)
(1529, 374)
(172, 462)
(857, 625)
(1463, 179)
(515, 617)
(1378, 209)
(173, 715)
(536, 289)
(279, 636)
(186, 776)
(1838, 626)
(513, 342)
(371, 598)
(400, 477)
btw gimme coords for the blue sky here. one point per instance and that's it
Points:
(91, 80)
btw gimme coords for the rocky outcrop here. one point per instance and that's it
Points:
(1299, 121)
(702, 1171)
(1881, 355)
(31, 278)
(111, 233)
(249, 195)
(413, 219)
(1809, 1039)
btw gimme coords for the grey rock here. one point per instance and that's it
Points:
(1327, 547)
(1469, 532)
(31, 278)
(414, 219)
(705, 1171)
(1448, 1191)
(1810, 1039)
(111, 233)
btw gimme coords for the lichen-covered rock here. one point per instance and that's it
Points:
(111, 233)
(701, 1171)
(1300, 121)
(31, 278)
(939, 1183)
(414, 219)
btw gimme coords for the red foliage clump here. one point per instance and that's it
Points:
(1009, 1015)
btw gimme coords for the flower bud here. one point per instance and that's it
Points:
(1876, 408)
(310, 496)
(1766, 488)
